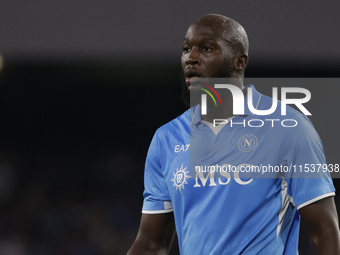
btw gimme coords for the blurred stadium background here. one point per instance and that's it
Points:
(83, 87)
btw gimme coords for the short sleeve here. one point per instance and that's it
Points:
(303, 154)
(156, 195)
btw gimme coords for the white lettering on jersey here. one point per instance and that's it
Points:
(183, 147)
(203, 179)
(237, 175)
(227, 175)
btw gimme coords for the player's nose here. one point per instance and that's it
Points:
(193, 57)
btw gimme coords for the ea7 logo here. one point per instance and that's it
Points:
(183, 147)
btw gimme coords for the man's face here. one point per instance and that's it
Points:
(205, 54)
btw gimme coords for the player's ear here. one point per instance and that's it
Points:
(241, 62)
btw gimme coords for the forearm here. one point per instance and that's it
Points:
(321, 219)
(326, 242)
(141, 247)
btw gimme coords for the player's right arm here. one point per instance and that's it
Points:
(155, 235)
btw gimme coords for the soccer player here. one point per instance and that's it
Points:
(230, 213)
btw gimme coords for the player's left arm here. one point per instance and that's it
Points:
(322, 221)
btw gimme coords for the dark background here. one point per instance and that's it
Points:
(83, 87)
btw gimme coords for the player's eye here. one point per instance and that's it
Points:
(207, 49)
(186, 49)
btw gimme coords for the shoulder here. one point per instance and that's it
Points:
(170, 135)
(291, 115)
(295, 127)
(179, 125)
(304, 127)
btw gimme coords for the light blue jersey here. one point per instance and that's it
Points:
(234, 212)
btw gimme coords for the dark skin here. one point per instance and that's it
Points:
(322, 221)
(155, 235)
(205, 53)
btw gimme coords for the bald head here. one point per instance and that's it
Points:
(228, 29)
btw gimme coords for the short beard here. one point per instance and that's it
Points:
(185, 91)
(224, 72)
